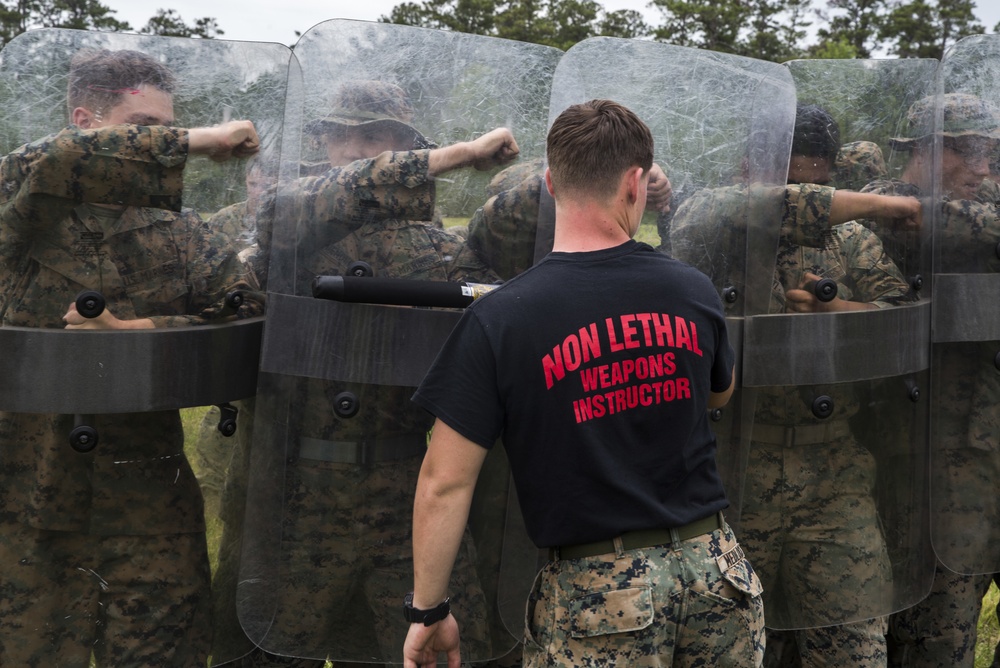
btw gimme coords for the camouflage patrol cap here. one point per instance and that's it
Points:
(963, 115)
(859, 163)
(375, 104)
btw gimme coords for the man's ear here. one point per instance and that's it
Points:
(633, 181)
(82, 118)
(548, 182)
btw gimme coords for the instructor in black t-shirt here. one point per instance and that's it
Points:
(596, 367)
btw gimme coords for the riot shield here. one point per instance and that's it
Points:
(337, 445)
(965, 462)
(833, 513)
(718, 121)
(106, 218)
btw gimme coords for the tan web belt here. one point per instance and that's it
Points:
(634, 540)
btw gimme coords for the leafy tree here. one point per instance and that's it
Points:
(776, 28)
(18, 16)
(476, 17)
(857, 22)
(169, 23)
(917, 29)
(558, 23)
(626, 23)
(707, 24)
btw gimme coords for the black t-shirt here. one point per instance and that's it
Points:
(595, 369)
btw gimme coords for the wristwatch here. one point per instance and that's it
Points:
(427, 617)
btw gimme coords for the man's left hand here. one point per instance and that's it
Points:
(106, 320)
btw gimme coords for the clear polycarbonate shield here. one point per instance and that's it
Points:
(721, 126)
(965, 448)
(107, 218)
(338, 444)
(834, 495)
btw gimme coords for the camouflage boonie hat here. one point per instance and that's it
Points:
(373, 104)
(859, 163)
(964, 115)
(511, 177)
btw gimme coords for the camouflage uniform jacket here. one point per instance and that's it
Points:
(149, 262)
(967, 233)
(394, 248)
(854, 258)
(709, 230)
(330, 205)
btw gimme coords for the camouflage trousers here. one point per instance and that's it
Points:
(135, 601)
(811, 528)
(940, 630)
(347, 562)
(684, 604)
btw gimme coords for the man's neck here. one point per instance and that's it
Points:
(583, 227)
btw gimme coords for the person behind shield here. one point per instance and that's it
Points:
(104, 551)
(346, 559)
(941, 629)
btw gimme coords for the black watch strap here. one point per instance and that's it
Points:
(426, 617)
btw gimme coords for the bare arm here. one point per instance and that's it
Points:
(235, 139)
(494, 148)
(848, 205)
(720, 399)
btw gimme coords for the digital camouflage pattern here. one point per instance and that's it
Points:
(694, 603)
(857, 164)
(347, 552)
(810, 522)
(708, 230)
(940, 631)
(157, 597)
(504, 230)
(376, 105)
(962, 115)
(809, 519)
(62, 510)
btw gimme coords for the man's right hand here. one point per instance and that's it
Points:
(900, 213)
(496, 147)
(234, 139)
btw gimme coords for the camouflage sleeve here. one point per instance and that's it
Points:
(461, 263)
(338, 202)
(213, 270)
(710, 225)
(969, 237)
(502, 232)
(805, 220)
(875, 277)
(989, 191)
(124, 165)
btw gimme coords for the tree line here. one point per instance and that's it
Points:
(775, 30)
(18, 16)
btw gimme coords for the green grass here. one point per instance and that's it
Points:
(989, 629)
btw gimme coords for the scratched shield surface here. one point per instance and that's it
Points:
(337, 443)
(104, 212)
(966, 332)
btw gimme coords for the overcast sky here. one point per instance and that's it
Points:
(277, 20)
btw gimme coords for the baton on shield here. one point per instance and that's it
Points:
(398, 291)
